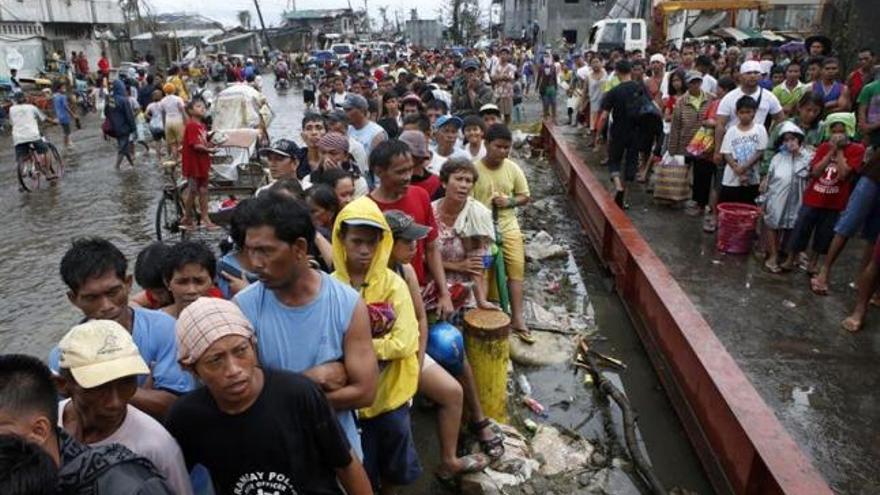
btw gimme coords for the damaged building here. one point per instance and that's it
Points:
(30, 31)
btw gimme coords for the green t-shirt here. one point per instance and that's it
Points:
(870, 96)
(786, 96)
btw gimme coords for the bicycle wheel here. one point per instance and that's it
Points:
(28, 176)
(168, 214)
(54, 162)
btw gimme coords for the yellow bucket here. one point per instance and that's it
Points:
(488, 351)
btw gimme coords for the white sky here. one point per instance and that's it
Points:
(225, 11)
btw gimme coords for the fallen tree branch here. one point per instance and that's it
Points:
(629, 419)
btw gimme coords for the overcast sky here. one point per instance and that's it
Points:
(225, 11)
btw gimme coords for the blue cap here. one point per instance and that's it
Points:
(470, 63)
(448, 119)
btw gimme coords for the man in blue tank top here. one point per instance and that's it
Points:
(305, 321)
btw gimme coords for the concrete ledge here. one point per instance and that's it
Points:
(741, 444)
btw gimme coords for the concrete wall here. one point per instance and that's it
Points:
(32, 52)
(554, 16)
(427, 33)
(67, 11)
(518, 13)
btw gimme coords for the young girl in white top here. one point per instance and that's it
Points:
(473, 131)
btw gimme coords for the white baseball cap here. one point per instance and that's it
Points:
(750, 66)
(100, 351)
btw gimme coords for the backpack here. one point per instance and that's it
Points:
(640, 107)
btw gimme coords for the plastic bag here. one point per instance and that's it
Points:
(671, 176)
(702, 143)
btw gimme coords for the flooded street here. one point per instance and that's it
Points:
(93, 199)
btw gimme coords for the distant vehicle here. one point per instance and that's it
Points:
(322, 57)
(130, 69)
(342, 49)
(363, 46)
(484, 44)
(382, 46)
(627, 34)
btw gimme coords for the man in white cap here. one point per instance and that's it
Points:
(257, 430)
(768, 104)
(99, 366)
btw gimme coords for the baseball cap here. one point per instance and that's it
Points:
(364, 222)
(404, 227)
(490, 108)
(657, 57)
(355, 101)
(417, 142)
(205, 321)
(283, 147)
(470, 63)
(100, 351)
(750, 66)
(447, 119)
(693, 76)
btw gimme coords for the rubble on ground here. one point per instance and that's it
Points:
(541, 247)
(559, 453)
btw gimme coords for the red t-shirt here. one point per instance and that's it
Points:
(429, 183)
(104, 66)
(196, 164)
(828, 191)
(417, 204)
(856, 83)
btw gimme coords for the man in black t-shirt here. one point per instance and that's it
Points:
(622, 103)
(256, 430)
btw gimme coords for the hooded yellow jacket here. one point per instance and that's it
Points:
(398, 380)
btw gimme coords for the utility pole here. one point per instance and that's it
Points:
(262, 25)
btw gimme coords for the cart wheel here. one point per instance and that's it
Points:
(168, 214)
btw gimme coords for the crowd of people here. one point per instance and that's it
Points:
(289, 363)
(337, 298)
(779, 128)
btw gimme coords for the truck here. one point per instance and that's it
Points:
(626, 34)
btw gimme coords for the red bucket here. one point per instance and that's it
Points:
(736, 227)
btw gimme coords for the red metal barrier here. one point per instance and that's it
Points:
(742, 446)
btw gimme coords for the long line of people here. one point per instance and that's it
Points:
(327, 312)
(777, 128)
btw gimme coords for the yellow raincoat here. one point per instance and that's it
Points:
(398, 380)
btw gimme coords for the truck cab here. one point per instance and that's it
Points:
(626, 34)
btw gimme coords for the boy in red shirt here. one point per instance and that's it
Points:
(827, 193)
(197, 153)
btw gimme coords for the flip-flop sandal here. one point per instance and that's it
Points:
(493, 447)
(524, 335)
(817, 288)
(772, 267)
(471, 463)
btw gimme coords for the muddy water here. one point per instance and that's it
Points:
(92, 199)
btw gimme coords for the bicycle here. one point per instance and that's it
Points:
(170, 209)
(30, 169)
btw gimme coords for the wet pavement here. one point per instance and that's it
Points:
(820, 381)
(95, 199)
